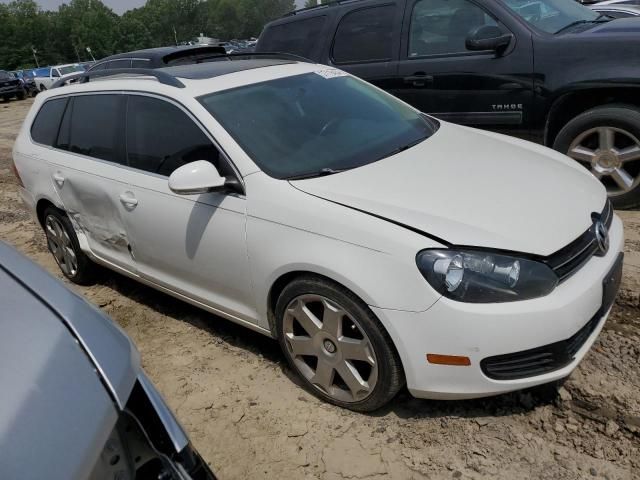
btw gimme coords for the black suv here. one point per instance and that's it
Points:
(10, 86)
(551, 71)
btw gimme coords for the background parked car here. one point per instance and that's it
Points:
(28, 81)
(511, 66)
(45, 78)
(79, 406)
(617, 10)
(11, 86)
(158, 57)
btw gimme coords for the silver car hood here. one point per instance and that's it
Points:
(113, 355)
(469, 187)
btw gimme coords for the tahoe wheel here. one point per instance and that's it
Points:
(337, 345)
(606, 140)
(63, 245)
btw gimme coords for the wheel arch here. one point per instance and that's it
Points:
(571, 104)
(41, 206)
(282, 279)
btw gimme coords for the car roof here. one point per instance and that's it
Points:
(221, 67)
(197, 79)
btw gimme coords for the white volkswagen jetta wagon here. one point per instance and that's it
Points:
(378, 245)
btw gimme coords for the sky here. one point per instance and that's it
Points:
(118, 6)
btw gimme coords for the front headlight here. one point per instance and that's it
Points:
(479, 277)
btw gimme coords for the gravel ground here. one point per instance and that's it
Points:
(248, 416)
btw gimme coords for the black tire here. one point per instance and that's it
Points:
(21, 95)
(621, 118)
(390, 376)
(6, 98)
(86, 270)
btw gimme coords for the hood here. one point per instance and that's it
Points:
(112, 353)
(469, 187)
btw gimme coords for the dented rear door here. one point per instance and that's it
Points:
(90, 178)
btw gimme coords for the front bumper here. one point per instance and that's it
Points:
(11, 90)
(479, 331)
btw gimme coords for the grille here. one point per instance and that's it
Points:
(568, 260)
(540, 360)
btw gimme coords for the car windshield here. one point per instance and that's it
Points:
(552, 16)
(316, 123)
(70, 69)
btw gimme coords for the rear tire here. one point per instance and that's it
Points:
(606, 140)
(63, 245)
(335, 343)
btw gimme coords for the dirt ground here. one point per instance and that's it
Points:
(246, 414)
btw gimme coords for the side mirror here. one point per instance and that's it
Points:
(488, 37)
(196, 177)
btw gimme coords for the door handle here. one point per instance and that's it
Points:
(58, 178)
(128, 199)
(511, 86)
(418, 79)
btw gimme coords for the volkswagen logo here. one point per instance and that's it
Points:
(602, 237)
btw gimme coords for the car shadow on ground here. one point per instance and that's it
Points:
(403, 405)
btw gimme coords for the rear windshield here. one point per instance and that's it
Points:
(70, 69)
(316, 123)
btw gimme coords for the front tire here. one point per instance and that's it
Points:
(606, 140)
(21, 95)
(63, 245)
(337, 346)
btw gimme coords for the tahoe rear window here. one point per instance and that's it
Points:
(297, 37)
(365, 35)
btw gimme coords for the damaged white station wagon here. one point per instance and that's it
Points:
(378, 245)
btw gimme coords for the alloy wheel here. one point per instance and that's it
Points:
(612, 155)
(60, 246)
(330, 348)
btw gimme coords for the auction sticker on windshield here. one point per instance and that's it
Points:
(331, 73)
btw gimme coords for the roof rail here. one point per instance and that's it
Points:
(248, 55)
(332, 3)
(84, 77)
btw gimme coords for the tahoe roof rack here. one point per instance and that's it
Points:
(332, 3)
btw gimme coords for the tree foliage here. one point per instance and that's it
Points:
(64, 35)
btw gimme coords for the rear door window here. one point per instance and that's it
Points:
(97, 126)
(365, 35)
(47, 123)
(161, 137)
(299, 37)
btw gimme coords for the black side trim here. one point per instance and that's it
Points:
(481, 118)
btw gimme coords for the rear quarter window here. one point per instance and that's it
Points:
(365, 35)
(47, 122)
(299, 37)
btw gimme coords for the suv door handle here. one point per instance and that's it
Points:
(58, 178)
(418, 79)
(129, 200)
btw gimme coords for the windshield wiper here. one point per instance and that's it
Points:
(602, 18)
(323, 172)
(401, 148)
